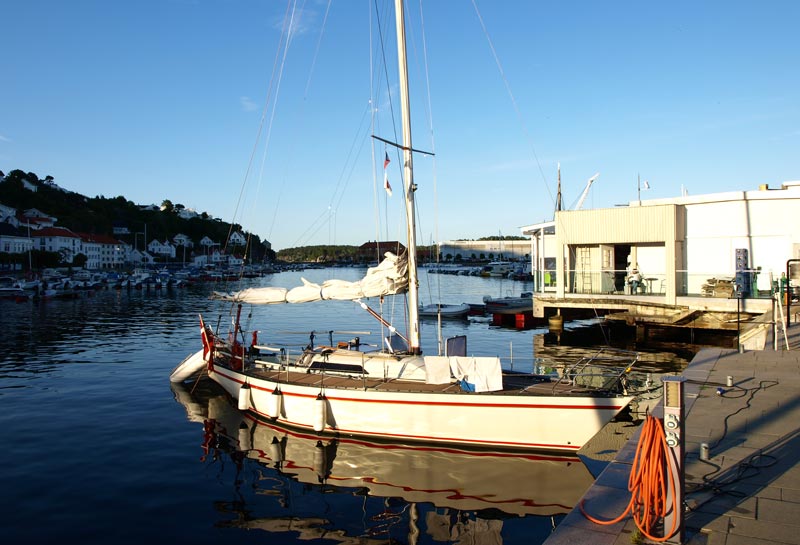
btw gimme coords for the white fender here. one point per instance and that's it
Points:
(320, 459)
(275, 450)
(320, 412)
(274, 403)
(245, 438)
(244, 397)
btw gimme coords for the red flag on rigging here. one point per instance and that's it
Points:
(386, 161)
(386, 185)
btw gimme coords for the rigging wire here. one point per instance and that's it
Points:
(513, 99)
(273, 85)
(305, 95)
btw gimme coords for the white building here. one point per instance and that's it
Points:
(187, 213)
(682, 245)
(139, 257)
(485, 250)
(7, 212)
(182, 240)
(163, 249)
(59, 240)
(237, 239)
(14, 240)
(102, 251)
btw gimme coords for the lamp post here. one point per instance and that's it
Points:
(639, 188)
(738, 295)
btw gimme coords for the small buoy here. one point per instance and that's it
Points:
(274, 403)
(556, 322)
(244, 397)
(320, 410)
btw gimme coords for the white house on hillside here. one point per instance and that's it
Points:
(182, 240)
(187, 213)
(237, 239)
(163, 249)
(139, 257)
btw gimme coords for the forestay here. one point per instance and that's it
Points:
(389, 277)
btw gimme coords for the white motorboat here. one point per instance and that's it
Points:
(444, 310)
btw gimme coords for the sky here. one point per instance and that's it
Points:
(182, 100)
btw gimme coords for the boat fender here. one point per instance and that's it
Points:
(244, 397)
(245, 438)
(274, 403)
(321, 461)
(320, 410)
(276, 450)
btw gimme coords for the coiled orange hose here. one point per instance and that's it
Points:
(650, 475)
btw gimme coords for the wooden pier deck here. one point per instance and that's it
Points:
(748, 492)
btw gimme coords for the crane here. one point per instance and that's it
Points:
(582, 198)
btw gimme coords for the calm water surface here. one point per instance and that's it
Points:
(101, 449)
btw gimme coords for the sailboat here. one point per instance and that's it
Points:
(395, 392)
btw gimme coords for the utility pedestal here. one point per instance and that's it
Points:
(674, 431)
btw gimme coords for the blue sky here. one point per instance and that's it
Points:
(163, 99)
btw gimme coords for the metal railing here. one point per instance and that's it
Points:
(723, 284)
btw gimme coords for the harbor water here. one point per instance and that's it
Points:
(102, 449)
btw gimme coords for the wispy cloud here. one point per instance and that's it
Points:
(302, 22)
(247, 104)
(4, 138)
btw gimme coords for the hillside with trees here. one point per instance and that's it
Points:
(100, 215)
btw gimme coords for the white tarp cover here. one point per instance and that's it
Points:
(484, 373)
(388, 278)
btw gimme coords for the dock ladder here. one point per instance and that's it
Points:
(584, 269)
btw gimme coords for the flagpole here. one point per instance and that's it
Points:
(638, 189)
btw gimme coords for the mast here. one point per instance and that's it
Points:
(408, 180)
(558, 195)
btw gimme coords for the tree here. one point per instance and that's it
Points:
(167, 206)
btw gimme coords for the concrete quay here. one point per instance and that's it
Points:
(748, 491)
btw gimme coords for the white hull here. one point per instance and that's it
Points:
(562, 423)
(515, 483)
(190, 367)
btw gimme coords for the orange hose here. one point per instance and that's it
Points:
(650, 475)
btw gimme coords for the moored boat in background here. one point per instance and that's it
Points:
(444, 310)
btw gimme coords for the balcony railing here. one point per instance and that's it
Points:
(723, 284)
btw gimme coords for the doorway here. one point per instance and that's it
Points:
(621, 254)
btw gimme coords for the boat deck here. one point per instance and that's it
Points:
(514, 384)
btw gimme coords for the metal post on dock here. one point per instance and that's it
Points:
(738, 317)
(674, 431)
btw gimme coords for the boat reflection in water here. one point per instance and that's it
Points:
(447, 493)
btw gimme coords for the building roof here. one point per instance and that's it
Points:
(98, 238)
(54, 232)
